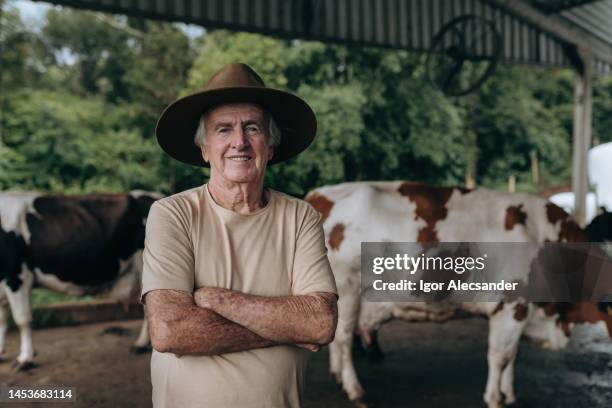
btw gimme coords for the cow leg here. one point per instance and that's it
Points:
(375, 353)
(3, 327)
(141, 345)
(365, 343)
(359, 350)
(348, 312)
(504, 335)
(21, 308)
(507, 383)
(335, 361)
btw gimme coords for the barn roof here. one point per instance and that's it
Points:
(540, 32)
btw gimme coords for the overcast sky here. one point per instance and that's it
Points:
(33, 15)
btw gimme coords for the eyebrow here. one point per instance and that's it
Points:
(247, 122)
(219, 125)
(253, 122)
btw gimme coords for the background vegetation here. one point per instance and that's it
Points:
(81, 95)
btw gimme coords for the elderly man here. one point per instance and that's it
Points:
(237, 285)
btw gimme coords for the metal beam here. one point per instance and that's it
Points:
(550, 7)
(572, 35)
(583, 105)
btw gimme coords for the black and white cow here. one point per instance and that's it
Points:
(77, 245)
(600, 228)
(413, 212)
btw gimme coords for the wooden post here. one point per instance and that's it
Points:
(583, 103)
(469, 180)
(535, 172)
(512, 184)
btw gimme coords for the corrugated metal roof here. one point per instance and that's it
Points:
(404, 24)
(594, 17)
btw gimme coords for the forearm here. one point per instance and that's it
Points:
(285, 319)
(179, 326)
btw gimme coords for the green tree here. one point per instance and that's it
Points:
(93, 48)
(23, 54)
(61, 142)
(517, 113)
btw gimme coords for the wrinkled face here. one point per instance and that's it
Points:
(237, 143)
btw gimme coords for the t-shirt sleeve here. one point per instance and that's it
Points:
(168, 261)
(311, 269)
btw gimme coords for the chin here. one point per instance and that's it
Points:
(241, 177)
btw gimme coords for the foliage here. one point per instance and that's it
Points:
(511, 123)
(60, 142)
(81, 96)
(266, 55)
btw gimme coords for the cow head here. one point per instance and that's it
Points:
(139, 205)
(545, 329)
(551, 324)
(144, 200)
(587, 312)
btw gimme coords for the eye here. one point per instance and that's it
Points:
(252, 129)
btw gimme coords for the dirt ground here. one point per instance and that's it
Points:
(426, 365)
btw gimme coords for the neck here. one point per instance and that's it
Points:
(243, 198)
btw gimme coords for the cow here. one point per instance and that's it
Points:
(76, 245)
(600, 227)
(401, 211)
(366, 343)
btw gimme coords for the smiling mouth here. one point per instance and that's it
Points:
(239, 158)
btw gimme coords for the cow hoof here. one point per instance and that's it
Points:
(496, 404)
(337, 377)
(140, 349)
(510, 401)
(117, 331)
(361, 403)
(23, 366)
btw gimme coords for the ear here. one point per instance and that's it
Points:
(204, 154)
(270, 153)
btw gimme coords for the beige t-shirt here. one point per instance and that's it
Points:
(278, 250)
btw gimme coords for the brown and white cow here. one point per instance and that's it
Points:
(77, 245)
(414, 212)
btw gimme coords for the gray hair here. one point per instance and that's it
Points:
(273, 134)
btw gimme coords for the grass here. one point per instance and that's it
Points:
(43, 318)
(41, 296)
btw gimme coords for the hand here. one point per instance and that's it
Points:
(208, 296)
(310, 347)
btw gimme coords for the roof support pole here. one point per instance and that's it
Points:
(583, 104)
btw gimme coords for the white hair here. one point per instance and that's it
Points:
(273, 134)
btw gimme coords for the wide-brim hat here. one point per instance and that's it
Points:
(235, 83)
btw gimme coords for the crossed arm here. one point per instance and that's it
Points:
(214, 321)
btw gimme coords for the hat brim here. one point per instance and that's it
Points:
(178, 123)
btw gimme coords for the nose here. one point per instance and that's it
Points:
(240, 140)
